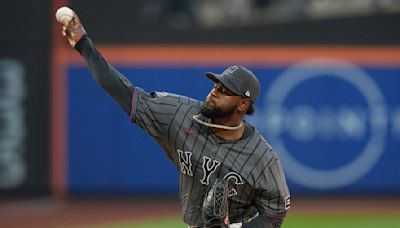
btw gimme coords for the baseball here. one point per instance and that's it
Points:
(64, 15)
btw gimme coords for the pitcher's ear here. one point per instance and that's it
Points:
(244, 105)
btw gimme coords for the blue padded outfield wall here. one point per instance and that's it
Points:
(335, 126)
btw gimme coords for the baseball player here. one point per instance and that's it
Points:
(207, 141)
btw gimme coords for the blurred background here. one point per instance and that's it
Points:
(330, 100)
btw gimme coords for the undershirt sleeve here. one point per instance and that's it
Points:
(106, 76)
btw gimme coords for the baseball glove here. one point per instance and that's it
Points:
(215, 205)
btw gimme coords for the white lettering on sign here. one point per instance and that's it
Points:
(13, 167)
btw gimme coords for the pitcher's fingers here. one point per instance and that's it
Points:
(75, 20)
(64, 30)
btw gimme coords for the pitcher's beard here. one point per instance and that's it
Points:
(216, 112)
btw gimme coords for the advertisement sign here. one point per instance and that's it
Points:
(24, 157)
(334, 124)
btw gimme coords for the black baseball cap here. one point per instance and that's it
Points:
(239, 80)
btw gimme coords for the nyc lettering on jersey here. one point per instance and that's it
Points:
(209, 167)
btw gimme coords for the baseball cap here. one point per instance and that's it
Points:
(239, 80)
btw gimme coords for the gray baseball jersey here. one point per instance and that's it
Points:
(257, 181)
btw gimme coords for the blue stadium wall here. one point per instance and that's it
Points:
(334, 122)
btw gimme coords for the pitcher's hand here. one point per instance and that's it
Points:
(73, 30)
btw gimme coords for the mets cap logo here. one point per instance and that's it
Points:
(230, 70)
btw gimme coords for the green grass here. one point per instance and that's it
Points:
(293, 221)
(342, 221)
(153, 223)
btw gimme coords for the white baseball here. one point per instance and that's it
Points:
(64, 15)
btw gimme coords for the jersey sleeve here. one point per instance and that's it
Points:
(273, 197)
(154, 112)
